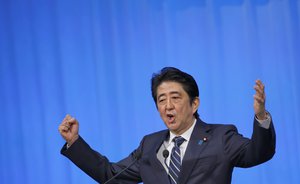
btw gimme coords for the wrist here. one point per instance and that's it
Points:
(262, 115)
(70, 142)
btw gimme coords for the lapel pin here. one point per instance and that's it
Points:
(204, 139)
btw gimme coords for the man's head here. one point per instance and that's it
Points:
(176, 96)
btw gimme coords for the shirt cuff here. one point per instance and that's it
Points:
(74, 139)
(266, 122)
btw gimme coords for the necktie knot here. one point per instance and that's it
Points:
(178, 140)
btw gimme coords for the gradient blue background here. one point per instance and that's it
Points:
(94, 59)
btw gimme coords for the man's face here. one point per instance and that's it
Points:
(174, 106)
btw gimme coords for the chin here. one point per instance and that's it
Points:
(173, 127)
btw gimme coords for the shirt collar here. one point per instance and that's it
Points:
(186, 135)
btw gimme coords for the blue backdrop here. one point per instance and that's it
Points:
(94, 59)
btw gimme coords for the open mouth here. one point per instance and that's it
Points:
(171, 118)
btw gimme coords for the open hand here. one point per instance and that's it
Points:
(259, 100)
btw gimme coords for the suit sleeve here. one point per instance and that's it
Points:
(99, 167)
(244, 152)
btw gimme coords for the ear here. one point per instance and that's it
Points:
(195, 104)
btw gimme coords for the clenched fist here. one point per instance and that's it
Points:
(69, 129)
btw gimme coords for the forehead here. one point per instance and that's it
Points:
(169, 87)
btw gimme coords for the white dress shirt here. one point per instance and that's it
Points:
(169, 144)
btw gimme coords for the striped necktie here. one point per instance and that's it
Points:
(175, 161)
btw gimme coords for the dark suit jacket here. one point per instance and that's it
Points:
(209, 162)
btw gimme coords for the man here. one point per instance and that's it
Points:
(189, 151)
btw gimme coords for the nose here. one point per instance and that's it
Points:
(169, 104)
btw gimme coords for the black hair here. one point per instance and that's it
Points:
(175, 75)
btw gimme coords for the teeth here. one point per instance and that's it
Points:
(170, 115)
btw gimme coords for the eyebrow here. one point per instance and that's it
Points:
(172, 92)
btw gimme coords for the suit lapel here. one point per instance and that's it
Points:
(158, 169)
(196, 145)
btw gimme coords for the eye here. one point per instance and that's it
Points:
(175, 97)
(161, 100)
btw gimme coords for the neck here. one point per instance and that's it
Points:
(180, 132)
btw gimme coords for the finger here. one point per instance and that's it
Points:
(258, 81)
(260, 84)
(259, 99)
(259, 91)
(63, 129)
(70, 123)
(68, 117)
(64, 121)
(65, 126)
(68, 120)
(72, 120)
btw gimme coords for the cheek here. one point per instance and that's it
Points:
(160, 110)
(186, 110)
